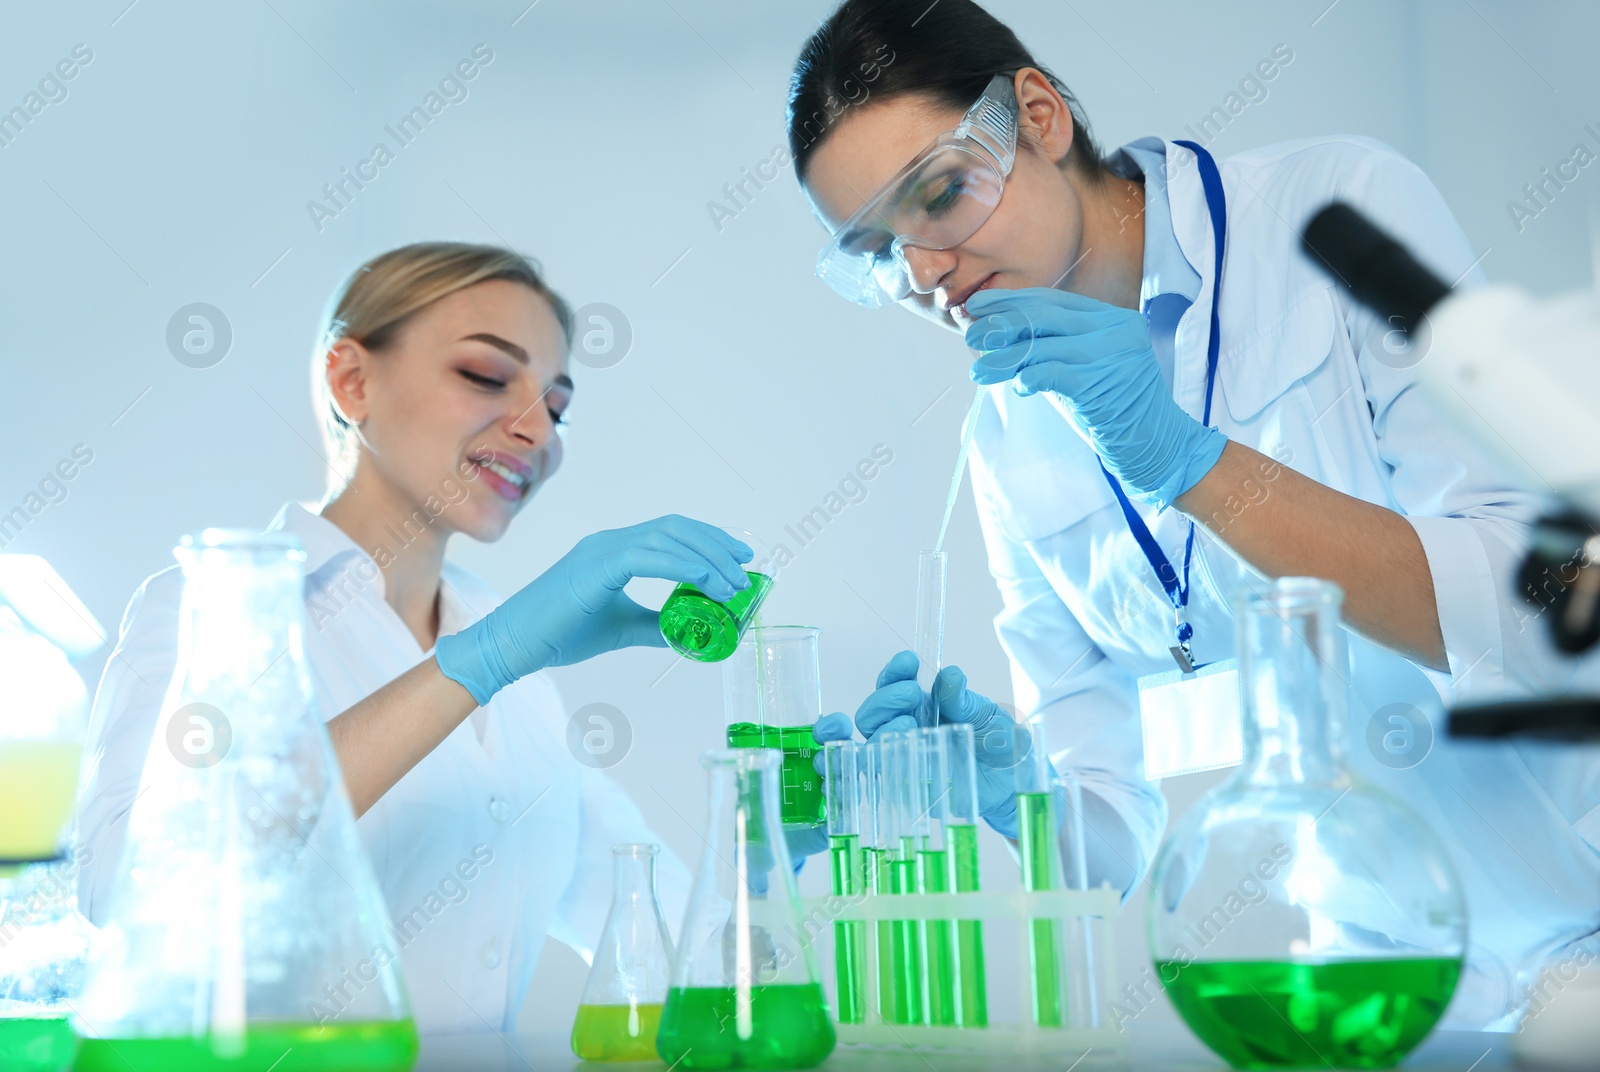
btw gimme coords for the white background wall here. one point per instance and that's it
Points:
(179, 167)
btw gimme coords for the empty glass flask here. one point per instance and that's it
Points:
(1301, 918)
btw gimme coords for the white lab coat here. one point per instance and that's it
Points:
(1300, 379)
(515, 810)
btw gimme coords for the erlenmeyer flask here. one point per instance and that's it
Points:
(1301, 918)
(621, 1005)
(246, 928)
(745, 989)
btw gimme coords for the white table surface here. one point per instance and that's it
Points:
(1164, 1047)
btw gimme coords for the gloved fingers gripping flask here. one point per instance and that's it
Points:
(709, 631)
(620, 1010)
(1300, 917)
(745, 989)
(245, 926)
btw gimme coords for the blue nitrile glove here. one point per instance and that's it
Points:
(576, 610)
(1096, 360)
(1000, 741)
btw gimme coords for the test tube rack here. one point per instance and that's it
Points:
(1088, 1038)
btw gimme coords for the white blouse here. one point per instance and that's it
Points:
(501, 799)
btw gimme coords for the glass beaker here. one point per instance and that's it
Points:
(745, 989)
(245, 927)
(703, 628)
(1300, 917)
(771, 697)
(620, 1009)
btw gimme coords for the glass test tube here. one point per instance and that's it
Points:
(841, 764)
(1083, 933)
(875, 835)
(1039, 847)
(929, 636)
(960, 812)
(902, 842)
(925, 818)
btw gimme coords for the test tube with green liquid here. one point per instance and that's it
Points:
(900, 973)
(960, 814)
(842, 782)
(925, 822)
(1038, 844)
(708, 630)
(875, 835)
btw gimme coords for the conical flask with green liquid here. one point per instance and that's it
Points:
(245, 929)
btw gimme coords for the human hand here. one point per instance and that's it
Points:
(1098, 365)
(576, 609)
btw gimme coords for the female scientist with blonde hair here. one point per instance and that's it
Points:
(442, 378)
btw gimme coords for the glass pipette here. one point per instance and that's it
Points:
(961, 465)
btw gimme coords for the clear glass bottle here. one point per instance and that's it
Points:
(245, 927)
(745, 988)
(620, 1009)
(1299, 917)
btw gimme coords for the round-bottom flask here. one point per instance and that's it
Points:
(1301, 918)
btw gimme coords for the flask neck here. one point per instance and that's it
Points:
(633, 877)
(1293, 672)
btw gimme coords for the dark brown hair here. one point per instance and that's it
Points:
(881, 49)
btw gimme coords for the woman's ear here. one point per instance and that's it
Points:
(345, 365)
(1043, 118)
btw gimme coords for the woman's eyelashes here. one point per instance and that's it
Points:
(488, 383)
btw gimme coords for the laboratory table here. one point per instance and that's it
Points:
(1167, 1047)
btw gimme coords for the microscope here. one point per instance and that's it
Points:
(1519, 374)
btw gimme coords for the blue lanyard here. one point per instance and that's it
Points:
(1178, 589)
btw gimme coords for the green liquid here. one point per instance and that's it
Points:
(781, 1027)
(1289, 1014)
(850, 936)
(971, 998)
(616, 1032)
(701, 628)
(905, 941)
(875, 868)
(803, 802)
(371, 1046)
(938, 952)
(1036, 840)
(36, 1044)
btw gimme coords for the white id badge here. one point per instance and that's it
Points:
(1191, 721)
